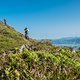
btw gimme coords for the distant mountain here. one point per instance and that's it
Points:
(67, 40)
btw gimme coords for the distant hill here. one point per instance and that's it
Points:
(67, 40)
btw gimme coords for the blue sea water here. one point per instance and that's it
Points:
(67, 45)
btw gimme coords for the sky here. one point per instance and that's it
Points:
(46, 19)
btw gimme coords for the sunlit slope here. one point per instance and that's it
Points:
(10, 38)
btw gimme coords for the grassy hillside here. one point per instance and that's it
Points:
(41, 61)
(10, 38)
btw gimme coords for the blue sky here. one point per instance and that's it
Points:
(44, 18)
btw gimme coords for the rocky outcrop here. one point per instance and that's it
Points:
(25, 47)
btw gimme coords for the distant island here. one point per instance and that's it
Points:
(73, 42)
(68, 41)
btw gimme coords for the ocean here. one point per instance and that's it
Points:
(67, 45)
